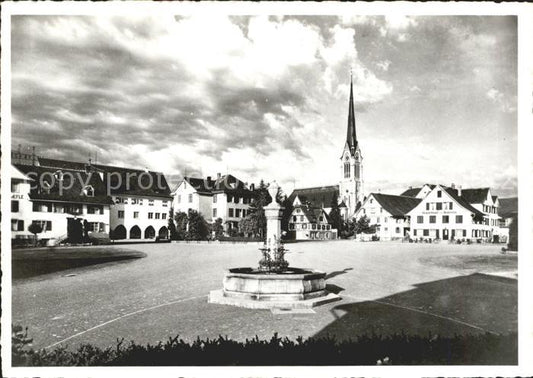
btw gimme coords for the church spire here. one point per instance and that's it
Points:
(351, 137)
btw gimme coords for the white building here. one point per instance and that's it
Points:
(57, 198)
(307, 223)
(388, 213)
(452, 213)
(140, 199)
(21, 207)
(226, 197)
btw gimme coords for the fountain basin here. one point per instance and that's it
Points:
(291, 288)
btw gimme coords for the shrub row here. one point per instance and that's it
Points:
(399, 349)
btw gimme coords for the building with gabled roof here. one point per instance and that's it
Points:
(310, 223)
(450, 213)
(138, 201)
(388, 213)
(225, 197)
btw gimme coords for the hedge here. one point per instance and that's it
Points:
(398, 349)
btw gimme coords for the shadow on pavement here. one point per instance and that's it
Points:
(476, 303)
(337, 273)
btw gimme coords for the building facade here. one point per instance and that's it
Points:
(56, 199)
(307, 223)
(388, 213)
(225, 197)
(449, 213)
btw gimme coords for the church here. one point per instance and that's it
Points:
(347, 194)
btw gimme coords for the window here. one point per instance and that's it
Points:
(458, 219)
(380, 209)
(432, 219)
(190, 198)
(150, 215)
(427, 206)
(14, 206)
(414, 232)
(426, 232)
(121, 214)
(304, 226)
(346, 170)
(93, 226)
(243, 213)
(238, 213)
(230, 212)
(397, 230)
(95, 209)
(302, 218)
(165, 203)
(88, 191)
(14, 189)
(328, 227)
(439, 193)
(134, 201)
(294, 218)
(46, 225)
(313, 226)
(17, 225)
(135, 214)
(450, 206)
(214, 198)
(377, 220)
(464, 233)
(445, 219)
(214, 213)
(157, 215)
(229, 199)
(179, 198)
(321, 218)
(151, 202)
(385, 219)
(357, 171)
(163, 215)
(420, 219)
(236, 199)
(439, 205)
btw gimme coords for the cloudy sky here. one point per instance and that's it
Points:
(267, 97)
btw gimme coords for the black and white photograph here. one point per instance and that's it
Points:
(268, 188)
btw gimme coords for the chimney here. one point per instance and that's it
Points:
(33, 155)
(252, 187)
(459, 191)
(453, 185)
(410, 187)
(208, 178)
(218, 175)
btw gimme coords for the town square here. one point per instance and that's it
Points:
(254, 189)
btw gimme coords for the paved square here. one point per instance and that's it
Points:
(385, 288)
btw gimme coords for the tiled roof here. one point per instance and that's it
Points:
(123, 181)
(508, 207)
(413, 192)
(397, 206)
(312, 214)
(318, 197)
(224, 184)
(464, 203)
(478, 195)
(72, 187)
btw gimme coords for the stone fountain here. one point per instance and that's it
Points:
(273, 284)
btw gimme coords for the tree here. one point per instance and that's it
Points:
(513, 234)
(173, 233)
(362, 225)
(198, 227)
(35, 228)
(181, 225)
(256, 212)
(335, 215)
(218, 228)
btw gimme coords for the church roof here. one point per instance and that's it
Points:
(397, 206)
(351, 136)
(224, 184)
(320, 196)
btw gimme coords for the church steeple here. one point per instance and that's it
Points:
(351, 137)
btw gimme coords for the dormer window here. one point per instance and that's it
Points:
(88, 191)
(58, 175)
